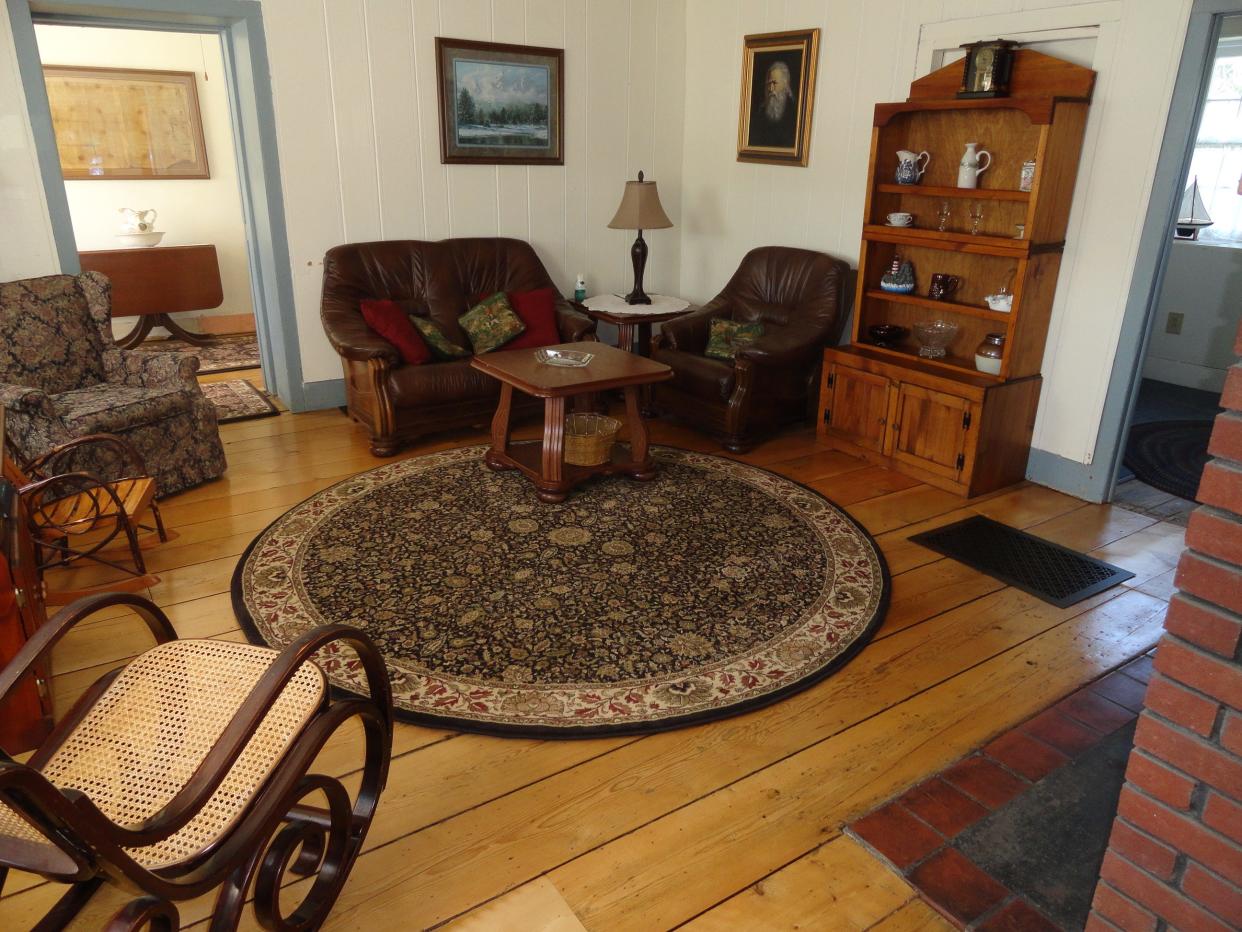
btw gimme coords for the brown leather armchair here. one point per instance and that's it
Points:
(397, 402)
(798, 295)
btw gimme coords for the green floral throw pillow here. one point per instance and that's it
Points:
(491, 323)
(726, 337)
(441, 346)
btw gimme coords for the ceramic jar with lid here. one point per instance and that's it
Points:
(989, 352)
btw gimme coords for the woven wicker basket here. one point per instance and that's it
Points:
(589, 438)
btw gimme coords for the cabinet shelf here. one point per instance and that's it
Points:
(973, 194)
(949, 242)
(952, 307)
(950, 363)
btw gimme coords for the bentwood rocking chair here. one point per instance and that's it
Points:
(190, 770)
(75, 515)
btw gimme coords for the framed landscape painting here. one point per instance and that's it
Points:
(500, 104)
(778, 96)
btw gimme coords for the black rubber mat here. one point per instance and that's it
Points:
(1046, 570)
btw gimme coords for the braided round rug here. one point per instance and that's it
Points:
(632, 607)
(1169, 455)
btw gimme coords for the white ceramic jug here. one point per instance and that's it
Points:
(137, 221)
(969, 169)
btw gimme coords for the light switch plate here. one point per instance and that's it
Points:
(1174, 322)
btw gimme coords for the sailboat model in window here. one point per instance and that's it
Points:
(1192, 216)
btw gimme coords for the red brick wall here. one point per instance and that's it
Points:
(1175, 855)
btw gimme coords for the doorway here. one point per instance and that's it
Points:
(1196, 303)
(144, 135)
(238, 26)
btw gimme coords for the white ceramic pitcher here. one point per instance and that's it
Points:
(969, 168)
(137, 221)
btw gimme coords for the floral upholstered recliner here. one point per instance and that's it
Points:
(62, 377)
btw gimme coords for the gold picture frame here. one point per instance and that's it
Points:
(774, 122)
(114, 123)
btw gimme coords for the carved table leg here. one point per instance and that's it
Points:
(641, 466)
(138, 334)
(180, 333)
(552, 485)
(500, 430)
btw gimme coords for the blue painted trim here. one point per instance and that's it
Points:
(1097, 480)
(30, 70)
(330, 393)
(239, 23)
(1068, 476)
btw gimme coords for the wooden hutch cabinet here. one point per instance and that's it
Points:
(942, 420)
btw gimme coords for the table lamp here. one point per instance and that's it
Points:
(640, 210)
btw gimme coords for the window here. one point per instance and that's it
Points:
(1217, 161)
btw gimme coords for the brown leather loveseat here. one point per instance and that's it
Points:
(440, 280)
(799, 298)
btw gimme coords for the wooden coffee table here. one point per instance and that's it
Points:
(544, 462)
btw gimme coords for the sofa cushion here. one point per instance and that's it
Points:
(48, 339)
(491, 323)
(441, 346)
(389, 320)
(726, 337)
(709, 379)
(538, 311)
(439, 383)
(112, 407)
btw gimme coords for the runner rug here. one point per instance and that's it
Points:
(632, 607)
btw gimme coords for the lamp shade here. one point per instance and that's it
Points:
(640, 208)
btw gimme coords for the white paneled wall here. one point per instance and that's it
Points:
(869, 52)
(357, 123)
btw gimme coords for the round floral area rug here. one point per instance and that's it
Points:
(632, 607)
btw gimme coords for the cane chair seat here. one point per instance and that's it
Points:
(148, 732)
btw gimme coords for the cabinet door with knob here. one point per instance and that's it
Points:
(932, 431)
(858, 405)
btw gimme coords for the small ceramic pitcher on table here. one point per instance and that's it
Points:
(971, 166)
(910, 166)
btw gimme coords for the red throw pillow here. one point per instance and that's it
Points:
(538, 311)
(388, 320)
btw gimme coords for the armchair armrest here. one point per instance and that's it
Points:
(26, 400)
(688, 333)
(572, 324)
(143, 370)
(349, 334)
(789, 347)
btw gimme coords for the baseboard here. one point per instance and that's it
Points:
(224, 323)
(1186, 374)
(1081, 480)
(318, 396)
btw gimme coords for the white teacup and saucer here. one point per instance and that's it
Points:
(900, 219)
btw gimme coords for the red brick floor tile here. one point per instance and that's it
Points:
(1122, 689)
(1018, 916)
(1023, 754)
(985, 780)
(1139, 668)
(1093, 710)
(956, 886)
(1064, 734)
(942, 807)
(897, 835)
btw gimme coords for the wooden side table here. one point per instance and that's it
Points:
(152, 282)
(633, 320)
(544, 462)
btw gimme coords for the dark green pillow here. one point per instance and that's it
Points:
(491, 323)
(441, 346)
(726, 337)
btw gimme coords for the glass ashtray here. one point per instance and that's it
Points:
(570, 359)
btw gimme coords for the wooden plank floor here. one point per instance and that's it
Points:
(730, 825)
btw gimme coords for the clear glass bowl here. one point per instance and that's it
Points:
(934, 336)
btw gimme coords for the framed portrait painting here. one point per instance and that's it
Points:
(500, 104)
(778, 96)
